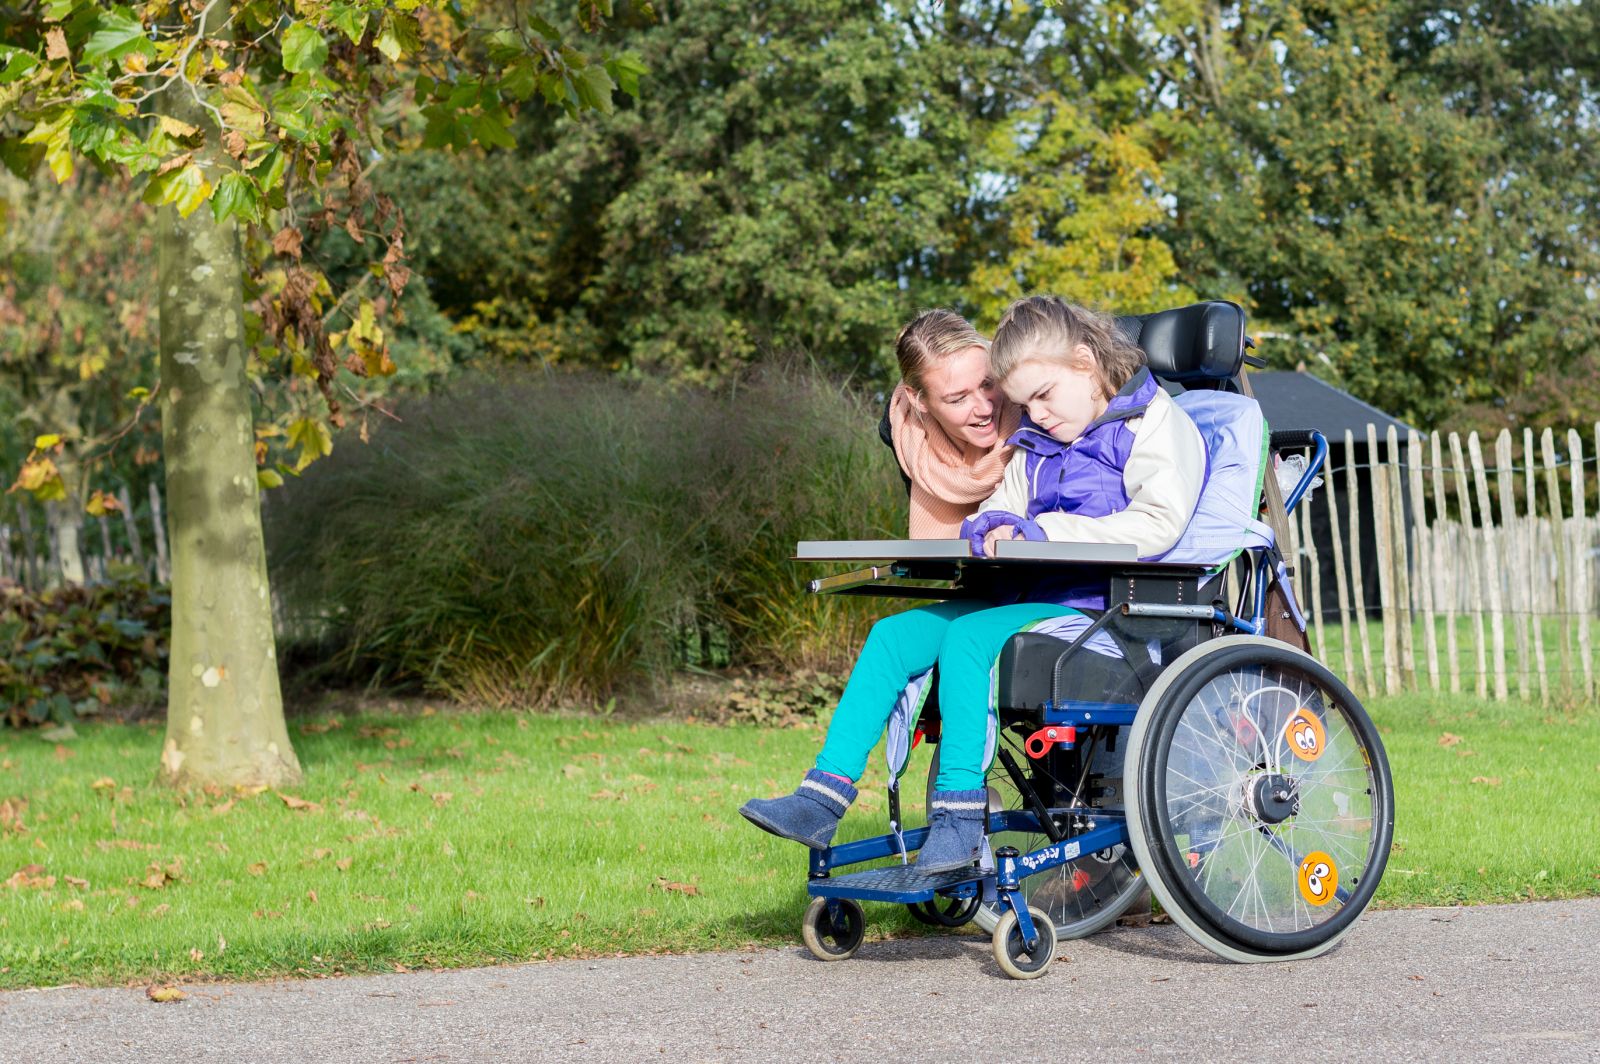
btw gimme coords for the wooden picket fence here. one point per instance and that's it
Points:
(1484, 565)
(133, 536)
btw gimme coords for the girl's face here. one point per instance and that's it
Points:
(1061, 398)
(960, 395)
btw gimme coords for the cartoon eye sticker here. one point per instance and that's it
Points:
(1305, 735)
(1319, 878)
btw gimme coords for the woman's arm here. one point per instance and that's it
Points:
(1165, 471)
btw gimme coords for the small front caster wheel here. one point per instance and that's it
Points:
(1013, 954)
(833, 928)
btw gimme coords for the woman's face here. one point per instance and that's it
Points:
(960, 395)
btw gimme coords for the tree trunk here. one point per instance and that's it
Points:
(224, 708)
(65, 549)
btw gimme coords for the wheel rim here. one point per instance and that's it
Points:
(1083, 895)
(841, 934)
(1016, 949)
(1265, 799)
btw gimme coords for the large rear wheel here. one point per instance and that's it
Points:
(1260, 804)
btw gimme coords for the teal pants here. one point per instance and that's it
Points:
(963, 639)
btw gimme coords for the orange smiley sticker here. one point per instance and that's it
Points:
(1318, 878)
(1305, 735)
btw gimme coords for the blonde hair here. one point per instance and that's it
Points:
(1049, 329)
(929, 337)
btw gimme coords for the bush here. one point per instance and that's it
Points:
(71, 651)
(544, 538)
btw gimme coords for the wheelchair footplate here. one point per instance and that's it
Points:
(1024, 939)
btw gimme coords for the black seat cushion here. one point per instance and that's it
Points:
(1027, 674)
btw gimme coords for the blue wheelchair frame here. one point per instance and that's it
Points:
(903, 884)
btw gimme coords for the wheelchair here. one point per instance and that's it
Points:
(1230, 771)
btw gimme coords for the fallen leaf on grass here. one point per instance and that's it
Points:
(1493, 781)
(609, 796)
(104, 783)
(62, 753)
(11, 810)
(158, 876)
(311, 896)
(299, 804)
(258, 869)
(164, 994)
(1449, 740)
(197, 955)
(442, 798)
(72, 905)
(30, 877)
(318, 729)
(74, 881)
(664, 884)
(321, 853)
(343, 864)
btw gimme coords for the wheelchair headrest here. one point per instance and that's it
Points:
(1200, 342)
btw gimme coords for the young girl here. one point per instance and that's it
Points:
(1104, 456)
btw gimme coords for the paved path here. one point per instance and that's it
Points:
(1504, 984)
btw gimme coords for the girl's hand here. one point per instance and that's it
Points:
(995, 536)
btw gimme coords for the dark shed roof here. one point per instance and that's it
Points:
(1302, 401)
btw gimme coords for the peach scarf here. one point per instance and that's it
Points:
(945, 487)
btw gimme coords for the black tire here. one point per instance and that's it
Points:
(1012, 953)
(1258, 850)
(950, 912)
(835, 936)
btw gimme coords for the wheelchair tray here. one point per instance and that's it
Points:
(947, 569)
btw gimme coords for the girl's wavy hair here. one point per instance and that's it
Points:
(929, 337)
(1049, 329)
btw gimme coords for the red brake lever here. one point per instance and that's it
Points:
(1039, 743)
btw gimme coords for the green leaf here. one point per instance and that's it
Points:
(116, 34)
(303, 48)
(269, 171)
(268, 478)
(236, 196)
(185, 186)
(18, 63)
(399, 36)
(594, 87)
(350, 21)
(93, 132)
(313, 439)
(520, 81)
(21, 159)
(489, 129)
(543, 29)
(627, 69)
(242, 111)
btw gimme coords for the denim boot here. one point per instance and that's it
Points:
(809, 815)
(956, 822)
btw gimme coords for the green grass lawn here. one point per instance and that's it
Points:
(457, 839)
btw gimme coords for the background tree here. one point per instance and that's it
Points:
(260, 116)
(1345, 185)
